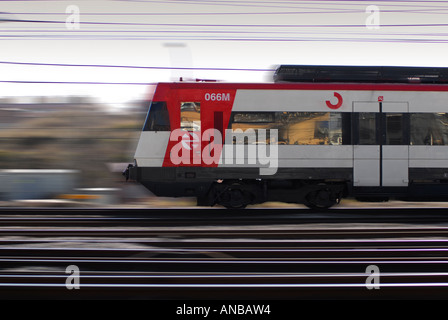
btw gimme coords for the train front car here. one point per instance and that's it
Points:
(316, 135)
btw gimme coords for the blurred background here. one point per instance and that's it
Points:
(70, 148)
(76, 76)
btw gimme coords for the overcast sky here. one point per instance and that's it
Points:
(227, 34)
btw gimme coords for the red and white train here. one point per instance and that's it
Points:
(325, 133)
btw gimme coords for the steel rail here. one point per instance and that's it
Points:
(231, 256)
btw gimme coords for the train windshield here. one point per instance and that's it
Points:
(158, 118)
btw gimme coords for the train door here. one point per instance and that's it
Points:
(381, 144)
(190, 122)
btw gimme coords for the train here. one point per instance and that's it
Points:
(312, 136)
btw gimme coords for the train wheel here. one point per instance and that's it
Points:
(320, 199)
(234, 197)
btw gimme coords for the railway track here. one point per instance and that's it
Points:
(232, 256)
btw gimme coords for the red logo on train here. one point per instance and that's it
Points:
(338, 104)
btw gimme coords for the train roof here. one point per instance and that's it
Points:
(362, 74)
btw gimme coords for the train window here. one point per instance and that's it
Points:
(294, 128)
(429, 129)
(335, 129)
(190, 116)
(251, 117)
(158, 118)
(255, 121)
(367, 128)
(309, 128)
(394, 129)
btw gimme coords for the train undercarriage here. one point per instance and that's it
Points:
(237, 193)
